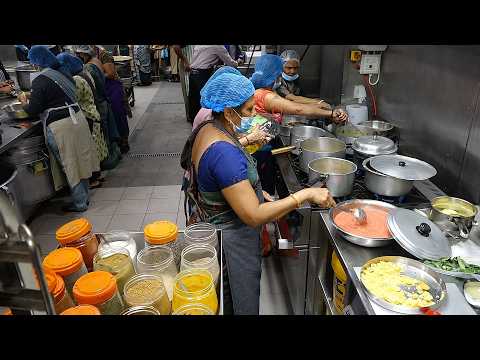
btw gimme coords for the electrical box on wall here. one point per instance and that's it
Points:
(370, 64)
(372, 47)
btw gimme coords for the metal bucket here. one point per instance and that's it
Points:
(340, 172)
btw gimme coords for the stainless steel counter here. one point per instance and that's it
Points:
(352, 256)
(10, 134)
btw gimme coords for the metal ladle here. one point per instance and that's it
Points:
(358, 213)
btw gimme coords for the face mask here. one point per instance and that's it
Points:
(245, 123)
(289, 78)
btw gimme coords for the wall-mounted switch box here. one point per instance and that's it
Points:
(370, 64)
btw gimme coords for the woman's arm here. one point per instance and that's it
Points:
(109, 70)
(244, 202)
(306, 100)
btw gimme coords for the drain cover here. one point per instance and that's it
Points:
(165, 154)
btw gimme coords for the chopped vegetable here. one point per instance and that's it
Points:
(455, 264)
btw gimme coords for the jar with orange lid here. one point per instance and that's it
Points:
(194, 286)
(78, 234)
(193, 309)
(99, 288)
(68, 263)
(82, 310)
(6, 311)
(165, 233)
(56, 286)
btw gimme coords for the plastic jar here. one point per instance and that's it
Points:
(99, 288)
(119, 239)
(201, 233)
(163, 233)
(56, 286)
(78, 234)
(116, 261)
(339, 284)
(158, 260)
(201, 256)
(68, 263)
(147, 290)
(193, 309)
(141, 310)
(192, 287)
(82, 310)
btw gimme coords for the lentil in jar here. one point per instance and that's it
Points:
(147, 290)
(116, 261)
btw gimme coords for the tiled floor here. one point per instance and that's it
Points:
(142, 190)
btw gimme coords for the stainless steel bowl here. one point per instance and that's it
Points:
(416, 270)
(355, 239)
(15, 111)
(377, 126)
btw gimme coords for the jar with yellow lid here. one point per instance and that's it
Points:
(116, 261)
(99, 288)
(201, 256)
(141, 310)
(339, 284)
(165, 233)
(193, 309)
(82, 310)
(68, 263)
(78, 234)
(147, 290)
(56, 286)
(158, 260)
(194, 286)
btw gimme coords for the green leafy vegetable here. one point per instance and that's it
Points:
(455, 264)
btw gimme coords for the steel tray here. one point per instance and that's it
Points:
(416, 270)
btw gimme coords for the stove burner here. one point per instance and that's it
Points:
(391, 199)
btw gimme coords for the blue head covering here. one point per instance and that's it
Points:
(222, 70)
(40, 55)
(226, 91)
(267, 69)
(72, 63)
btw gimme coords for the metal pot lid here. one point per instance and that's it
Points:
(403, 167)
(374, 145)
(416, 234)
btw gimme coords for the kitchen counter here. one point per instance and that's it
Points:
(352, 256)
(11, 135)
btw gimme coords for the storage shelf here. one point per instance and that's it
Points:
(326, 297)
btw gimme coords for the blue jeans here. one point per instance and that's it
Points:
(79, 192)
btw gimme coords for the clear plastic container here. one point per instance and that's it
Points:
(201, 233)
(117, 262)
(165, 233)
(201, 256)
(78, 234)
(68, 263)
(141, 310)
(193, 309)
(56, 286)
(158, 260)
(82, 310)
(147, 290)
(99, 288)
(119, 239)
(194, 286)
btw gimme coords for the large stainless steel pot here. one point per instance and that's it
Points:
(349, 133)
(377, 126)
(302, 132)
(340, 174)
(349, 205)
(368, 146)
(289, 121)
(320, 147)
(23, 74)
(384, 185)
(454, 213)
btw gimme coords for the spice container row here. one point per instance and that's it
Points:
(127, 272)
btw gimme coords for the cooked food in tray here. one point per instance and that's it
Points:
(375, 227)
(385, 280)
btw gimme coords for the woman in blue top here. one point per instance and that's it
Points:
(226, 189)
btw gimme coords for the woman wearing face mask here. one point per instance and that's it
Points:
(288, 85)
(226, 189)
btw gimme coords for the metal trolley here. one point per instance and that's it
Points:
(123, 65)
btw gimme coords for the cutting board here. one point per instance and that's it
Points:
(454, 305)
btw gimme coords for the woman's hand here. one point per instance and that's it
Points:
(267, 196)
(5, 87)
(339, 116)
(258, 136)
(22, 97)
(324, 105)
(321, 196)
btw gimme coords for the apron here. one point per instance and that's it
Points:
(76, 165)
(242, 246)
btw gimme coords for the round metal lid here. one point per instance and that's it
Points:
(403, 167)
(418, 235)
(374, 145)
